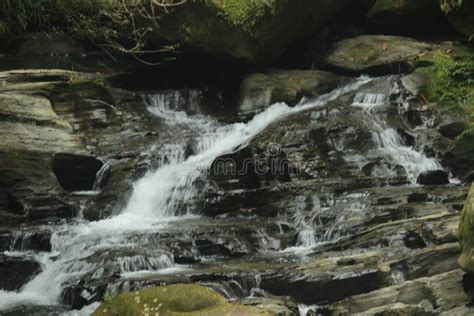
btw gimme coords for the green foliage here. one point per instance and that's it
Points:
(450, 80)
(94, 19)
(110, 24)
(449, 6)
(460, 78)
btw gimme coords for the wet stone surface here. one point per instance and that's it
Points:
(320, 203)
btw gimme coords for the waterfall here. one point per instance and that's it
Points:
(100, 177)
(306, 238)
(389, 141)
(156, 200)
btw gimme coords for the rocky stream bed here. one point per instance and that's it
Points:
(314, 192)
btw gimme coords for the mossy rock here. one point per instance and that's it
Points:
(418, 16)
(377, 54)
(254, 31)
(461, 14)
(466, 234)
(171, 300)
(449, 85)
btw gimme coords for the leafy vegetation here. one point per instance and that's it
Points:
(450, 5)
(450, 80)
(110, 24)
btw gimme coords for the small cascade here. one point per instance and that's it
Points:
(170, 105)
(369, 100)
(306, 310)
(328, 221)
(256, 290)
(144, 263)
(101, 177)
(306, 238)
(389, 141)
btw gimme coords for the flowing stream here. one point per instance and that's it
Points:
(158, 199)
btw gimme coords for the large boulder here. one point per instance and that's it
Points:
(433, 177)
(375, 54)
(466, 234)
(255, 31)
(461, 14)
(179, 299)
(15, 272)
(418, 16)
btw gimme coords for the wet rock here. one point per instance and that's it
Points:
(29, 187)
(385, 17)
(453, 129)
(460, 154)
(15, 272)
(414, 83)
(428, 296)
(278, 306)
(181, 298)
(417, 197)
(36, 239)
(414, 241)
(375, 54)
(258, 91)
(236, 169)
(79, 295)
(435, 177)
(76, 172)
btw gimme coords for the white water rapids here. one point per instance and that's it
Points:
(156, 200)
(389, 141)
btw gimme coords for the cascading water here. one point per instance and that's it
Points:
(347, 211)
(100, 177)
(389, 141)
(156, 200)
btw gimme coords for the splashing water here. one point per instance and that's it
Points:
(156, 200)
(101, 177)
(389, 141)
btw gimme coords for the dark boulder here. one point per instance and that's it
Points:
(253, 31)
(418, 16)
(76, 172)
(15, 272)
(453, 129)
(434, 177)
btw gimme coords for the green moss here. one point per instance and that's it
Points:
(79, 16)
(450, 86)
(450, 80)
(247, 13)
(179, 299)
